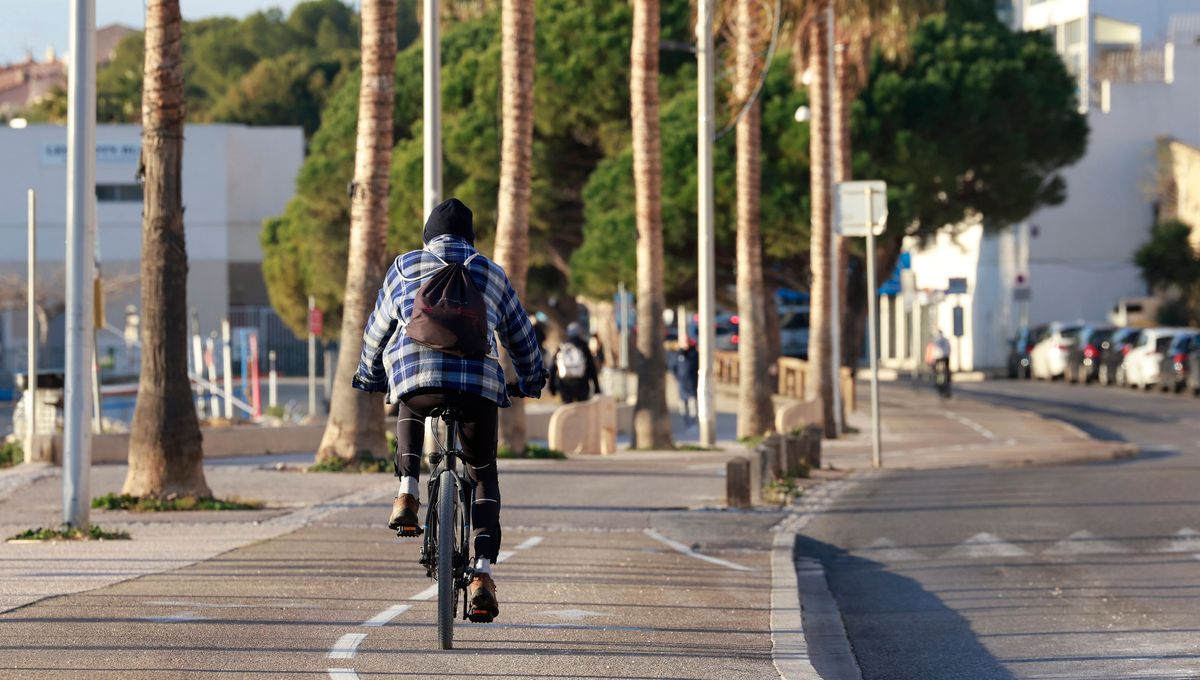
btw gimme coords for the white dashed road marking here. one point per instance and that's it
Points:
(1084, 543)
(684, 550)
(427, 594)
(530, 542)
(985, 545)
(384, 617)
(342, 674)
(347, 646)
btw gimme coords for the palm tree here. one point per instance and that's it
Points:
(888, 22)
(165, 454)
(755, 410)
(814, 31)
(512, 224)
(651, 421)
(356, 423)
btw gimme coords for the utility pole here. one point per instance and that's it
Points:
(835, 281)
(872, 333)
(81, 195)
(433, 111)
(705, 256)
(31, 335)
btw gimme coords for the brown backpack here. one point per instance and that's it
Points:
(450, 314)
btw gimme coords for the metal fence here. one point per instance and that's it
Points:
(291, 353)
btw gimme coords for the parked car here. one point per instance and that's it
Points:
(1018, 350)
(1143, 363)
(1048, 358)
(726, 325)
(1083, 361)
(1193, 372)
(1112, 354)
(1173, 373)
(793, 331)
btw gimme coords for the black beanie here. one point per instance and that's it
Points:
(451, 216)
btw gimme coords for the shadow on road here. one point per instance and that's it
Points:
(897, 629)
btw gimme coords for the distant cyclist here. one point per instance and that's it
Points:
(573, 374)
(937, 356)
(399, 357)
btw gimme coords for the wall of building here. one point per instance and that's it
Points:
(233, 177)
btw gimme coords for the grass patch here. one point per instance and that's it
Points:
(751, 441)
(363, 463)
(114, 501)
(695, 447)
(65, 533)
(781, 491)
(532, 451)
(11, 454)
(275, 411)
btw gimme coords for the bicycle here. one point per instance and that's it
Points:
(446, 547)
(941, 377)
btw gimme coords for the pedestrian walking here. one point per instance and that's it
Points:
(686, 368)
(573, 369)
(597, 349)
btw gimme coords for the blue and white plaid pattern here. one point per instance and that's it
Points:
(394, 363)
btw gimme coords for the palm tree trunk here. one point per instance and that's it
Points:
(165, 454)
(651, 421)
(755, 410)
(516, 150)
(820, 336)
(840, 100)
(356, 423)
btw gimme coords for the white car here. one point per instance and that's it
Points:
(1048, 359)
(1144, 361)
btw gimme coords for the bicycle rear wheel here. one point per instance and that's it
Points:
(447, 546)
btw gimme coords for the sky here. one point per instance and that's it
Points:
(34, 25)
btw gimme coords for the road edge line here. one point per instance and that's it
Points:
(798, 590)
(688, 552)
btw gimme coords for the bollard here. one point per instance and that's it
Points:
(737, 483)
(814, 434)
(776, 464)
(795, 454)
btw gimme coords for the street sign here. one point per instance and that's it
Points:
(854, 213)
(958, 321)
(957, 286)
(316, 321)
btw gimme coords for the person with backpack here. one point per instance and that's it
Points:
(430, 342)
(574, 367)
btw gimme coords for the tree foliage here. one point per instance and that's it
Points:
(977, 123)
(1170, 265)
(581, 117)
(266, 69)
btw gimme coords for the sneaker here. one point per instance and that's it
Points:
(404, 515)
(481, 593)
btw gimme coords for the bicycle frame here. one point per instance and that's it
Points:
(445, 461)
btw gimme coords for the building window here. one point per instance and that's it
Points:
(119, 193)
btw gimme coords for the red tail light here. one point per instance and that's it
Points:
(1090, 352)
(734, 339)
(1179, 358)
(735, 319)
(1125, 350)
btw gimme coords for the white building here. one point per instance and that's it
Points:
(234, 177)
(1138, 66)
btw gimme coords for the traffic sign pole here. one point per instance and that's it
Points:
(872, 333)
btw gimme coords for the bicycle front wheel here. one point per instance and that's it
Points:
(447, 545)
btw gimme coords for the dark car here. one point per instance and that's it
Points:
(1083, 361)
(1193, 369)
(1019, 348)
(1119, 343)
(1173, 376)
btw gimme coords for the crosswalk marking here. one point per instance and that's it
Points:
(1184, 540)
(984, 544)
(1084, 542)
(889, 551)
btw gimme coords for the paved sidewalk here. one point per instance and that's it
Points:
(922, 431)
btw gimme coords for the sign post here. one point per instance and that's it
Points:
(316, 325)
(861, 210)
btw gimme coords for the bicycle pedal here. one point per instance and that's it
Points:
(409, 532)
(480, 616)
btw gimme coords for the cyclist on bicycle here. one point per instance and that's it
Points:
(422, 378)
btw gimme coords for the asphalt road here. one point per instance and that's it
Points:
(1077, 572)
(590, 587)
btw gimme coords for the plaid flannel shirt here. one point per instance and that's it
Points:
(393, 363)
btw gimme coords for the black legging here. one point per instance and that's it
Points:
(477, 437)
